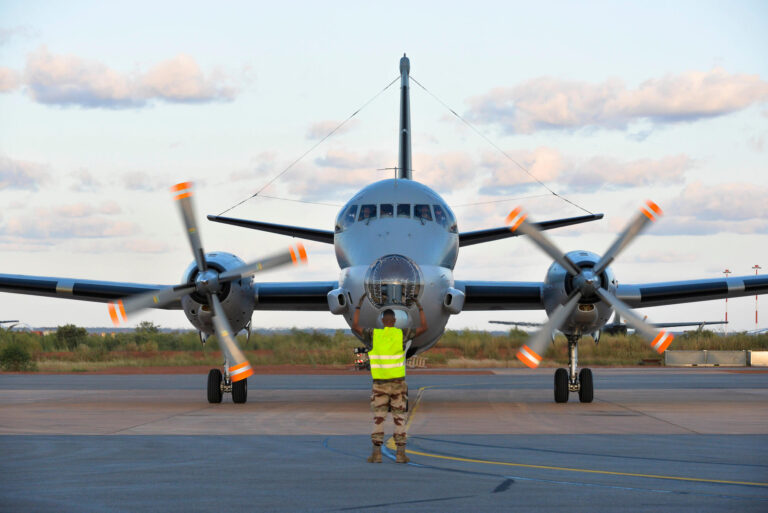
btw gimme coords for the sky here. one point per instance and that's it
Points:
(105, 105)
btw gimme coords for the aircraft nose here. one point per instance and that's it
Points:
(393, 280)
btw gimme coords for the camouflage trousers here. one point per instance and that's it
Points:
(385, 396)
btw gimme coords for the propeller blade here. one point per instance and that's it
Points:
(183, 194)
(648, 213)
(530, 353)
(660, 339)
(516, 222)
(120, 309)
(295, 254)
(239, 367)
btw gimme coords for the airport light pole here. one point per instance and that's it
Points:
(726, 273)
(756, 268)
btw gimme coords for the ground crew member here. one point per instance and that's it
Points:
(387, 357)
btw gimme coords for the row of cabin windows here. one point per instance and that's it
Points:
(422, 212)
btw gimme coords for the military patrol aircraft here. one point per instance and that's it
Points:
(397, 240)
(616, 327)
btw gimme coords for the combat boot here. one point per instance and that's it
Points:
(401, 457)
(375, 456)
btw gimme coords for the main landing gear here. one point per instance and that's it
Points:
(220, 384)
(567, 380)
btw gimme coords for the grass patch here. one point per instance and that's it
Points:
(456, 349)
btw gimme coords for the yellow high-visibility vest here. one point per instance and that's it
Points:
(387, 356)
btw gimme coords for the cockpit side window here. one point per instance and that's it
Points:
(367, 213)
(385, 210)
(347, 218)
(404, 210)
(446, 218)
(422, 212)
(440, 217)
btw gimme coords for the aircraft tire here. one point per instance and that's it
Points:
(561, 386)
(586, 390)
(240, 391)
(214, 386)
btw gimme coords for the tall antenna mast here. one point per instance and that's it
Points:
(404, 156)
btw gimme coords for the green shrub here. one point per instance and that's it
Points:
(15, 357)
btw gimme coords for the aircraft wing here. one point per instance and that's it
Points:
(674, 292)
(325, 236)
(488, 235)
(72, 288)
(501, 295)
(304, 296)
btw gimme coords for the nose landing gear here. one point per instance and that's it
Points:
(221, 383)
(567, 380)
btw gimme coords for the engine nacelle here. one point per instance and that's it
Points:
(236, 297)
(591, 313)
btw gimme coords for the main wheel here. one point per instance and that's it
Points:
(586, 390)
(240, 391)
(214, 386)
(561, 386)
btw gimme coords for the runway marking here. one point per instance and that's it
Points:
(420, 394)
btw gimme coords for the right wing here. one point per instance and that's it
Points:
(72, 288)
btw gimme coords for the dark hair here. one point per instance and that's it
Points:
(388, 312)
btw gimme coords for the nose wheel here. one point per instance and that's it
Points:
(219, 384)
(567, 380)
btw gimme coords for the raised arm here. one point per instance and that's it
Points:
(423, 319)
(356, 318)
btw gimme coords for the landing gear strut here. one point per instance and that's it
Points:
(568, 380)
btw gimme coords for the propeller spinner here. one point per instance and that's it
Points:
(587, 283)
(208, 283)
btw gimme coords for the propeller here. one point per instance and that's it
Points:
(208, 283)
(587, 282)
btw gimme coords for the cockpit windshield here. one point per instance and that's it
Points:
(422, 212)
(367, 213)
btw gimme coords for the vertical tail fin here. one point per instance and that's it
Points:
(404, 157)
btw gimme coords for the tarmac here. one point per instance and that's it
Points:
(653, 440)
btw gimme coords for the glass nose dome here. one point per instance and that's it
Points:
(393, 280)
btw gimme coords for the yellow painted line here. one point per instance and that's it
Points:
(391, 445)
(584, 470)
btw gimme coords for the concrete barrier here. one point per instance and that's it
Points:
(758, 358)
(706, 358)
(685, 358)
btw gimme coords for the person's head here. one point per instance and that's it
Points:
(388, 318)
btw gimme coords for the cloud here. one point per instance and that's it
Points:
(550, 103)
(21, 174)
(338, 173)
(322, 128)
(85, 181)
(22, 31)
(9, 80)
(260, 165)
(574, 175)
(67, 221)
(723, 208)
(68, 80)
(140, 181)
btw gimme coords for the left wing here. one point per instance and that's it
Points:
(511, 295)
(501, 295)
(674, 292)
